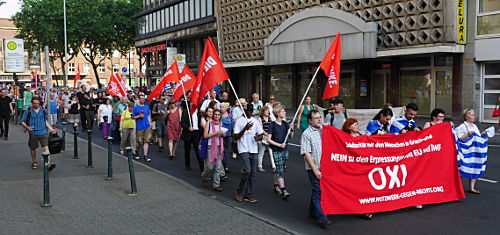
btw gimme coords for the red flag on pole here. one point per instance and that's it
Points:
(115, 86)
(331, 66)
(210, 73)
(172, 75)
(77, 76)
(188, 79)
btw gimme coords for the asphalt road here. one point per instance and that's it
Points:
(476, 214)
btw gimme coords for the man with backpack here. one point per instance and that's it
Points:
(336, 114)
(35, 121)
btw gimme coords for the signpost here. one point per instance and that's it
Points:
(14, 55)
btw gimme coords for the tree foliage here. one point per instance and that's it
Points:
(102, 26)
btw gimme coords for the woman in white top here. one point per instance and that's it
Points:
(466, 130)
(104, 114)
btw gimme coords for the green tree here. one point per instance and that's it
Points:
(41, 23)
(101, 26)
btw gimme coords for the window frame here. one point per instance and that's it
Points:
(479, 14)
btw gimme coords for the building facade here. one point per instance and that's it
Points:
(438, 54)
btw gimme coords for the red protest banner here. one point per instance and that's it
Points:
(115, 86)
(379, 173)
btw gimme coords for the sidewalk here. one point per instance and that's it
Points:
(83, 202)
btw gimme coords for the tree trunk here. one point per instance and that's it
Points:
(96, 73)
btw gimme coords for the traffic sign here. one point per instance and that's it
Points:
(124, 69)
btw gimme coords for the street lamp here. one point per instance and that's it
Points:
(65, 48)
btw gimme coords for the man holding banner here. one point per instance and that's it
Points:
(311, 149)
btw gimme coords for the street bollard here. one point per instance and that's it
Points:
(131, 170)
(63, 147)
(110, 159)
(46, 194)
(89, 159)
(75, 141)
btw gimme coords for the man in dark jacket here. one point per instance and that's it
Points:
(191, 135)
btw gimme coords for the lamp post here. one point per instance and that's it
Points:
(65, 48)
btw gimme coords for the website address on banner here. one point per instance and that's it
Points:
(402, 195)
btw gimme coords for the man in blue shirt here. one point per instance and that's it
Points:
(38, 127)
(142, 116)
(405, 122)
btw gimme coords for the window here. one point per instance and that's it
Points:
(491, 89)
(176, 14)
(167, 18)
(210, 8)
(191, 9)
(102, 69)
(86, 52)
(488, 17)
(71, 67)
(171, 15)
(415, 87)
(86, 68)
(116, 68)
(203, 8)
(186, 11)
(197, 9)
(181, 13)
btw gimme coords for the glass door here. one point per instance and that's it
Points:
(379, 88)
(443, 90)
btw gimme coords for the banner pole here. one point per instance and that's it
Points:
(241, 106)
(187, 104)
(300, 104)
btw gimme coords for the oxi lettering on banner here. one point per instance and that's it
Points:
(378, 173)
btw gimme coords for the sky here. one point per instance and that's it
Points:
(10, 8)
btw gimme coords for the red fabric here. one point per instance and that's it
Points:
(428, 173)
(172, 75)
(188, 79)
(115, 86)
(77, 76)
(210, 73)
(331, 66)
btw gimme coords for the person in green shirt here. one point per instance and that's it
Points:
(28, 96)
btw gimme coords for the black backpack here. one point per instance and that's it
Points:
(332, 117)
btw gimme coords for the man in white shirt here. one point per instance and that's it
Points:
(213, 95)
(247, 132)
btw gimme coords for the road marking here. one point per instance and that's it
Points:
(489, 181)
(492, 145)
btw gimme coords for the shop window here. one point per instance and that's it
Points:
(306, 73)
(444, 89)
(492, 68)
(346, 88)
(415, 87)
(440, 61)
(281, 84)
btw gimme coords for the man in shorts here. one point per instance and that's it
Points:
(142, 116)
(35, 121)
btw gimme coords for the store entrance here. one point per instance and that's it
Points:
(380, 80)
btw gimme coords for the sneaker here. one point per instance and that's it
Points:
(147, 159)
(285, 194)
(239, 197)
(160, 149)
(277, 189)
(136, 156)
(325, 223)
(250, 199)
(234, 156)
(52, 166)
(419, 206)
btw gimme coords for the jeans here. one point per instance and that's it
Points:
(216, 169)
(4, 123)
(248, 169)
(228, 143)
(314, 205)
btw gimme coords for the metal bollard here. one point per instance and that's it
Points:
(89, 150)
(75, 141)
(46, 193)
(131, 170)
(110, 159)
(63, 148)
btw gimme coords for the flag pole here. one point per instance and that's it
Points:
(187, 104)
(300, 104)
(237, 98)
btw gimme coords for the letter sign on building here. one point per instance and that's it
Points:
(461, 21)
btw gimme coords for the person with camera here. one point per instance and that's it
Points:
(73, 107)
(35, 121)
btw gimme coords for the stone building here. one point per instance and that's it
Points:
(436, 53)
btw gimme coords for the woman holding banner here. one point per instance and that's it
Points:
(380, 123)
(437, 116)
(475, 165)
(351, 127)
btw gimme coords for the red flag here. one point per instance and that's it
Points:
(172, 75)
(188, 79)
(210, 73)
(331, 66)
(77, 76)
(115, 86)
